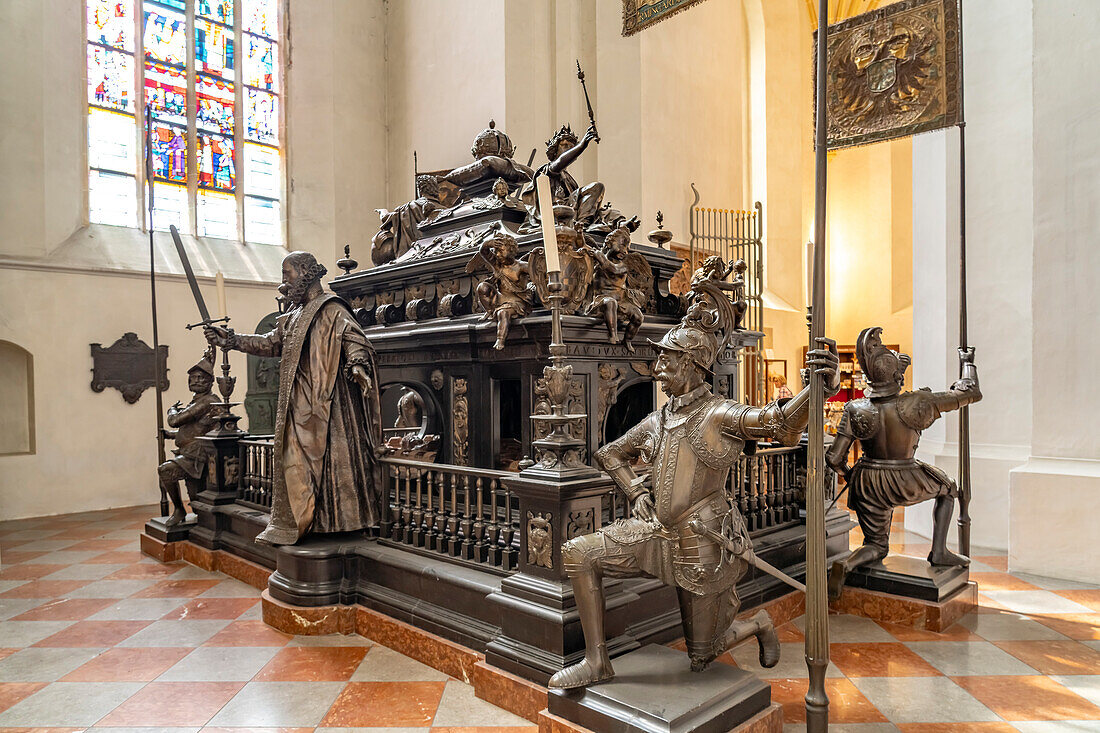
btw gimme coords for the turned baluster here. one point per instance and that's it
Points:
(510, 559)
(480, 550)
(493, 530)
(454, 516)
(466, 526)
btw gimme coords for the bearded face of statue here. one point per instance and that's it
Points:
(199, 382)
(677, 372)
(294, 286)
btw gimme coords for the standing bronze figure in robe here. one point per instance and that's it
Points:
(197, 418)
(690, 443)
(887, 424)
(328, 424)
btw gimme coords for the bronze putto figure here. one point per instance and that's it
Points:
(887, 424)
(677, 513)
(508, 293)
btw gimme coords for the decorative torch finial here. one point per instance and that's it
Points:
(660, 236)
(346, 263)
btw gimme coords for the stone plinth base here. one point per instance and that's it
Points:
(900, 575)
(769, 720)
(655, 691)
(243, 570)
(928, 615)
(157, 529)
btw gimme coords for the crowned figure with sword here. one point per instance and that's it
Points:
(328, 423)
(684, 529)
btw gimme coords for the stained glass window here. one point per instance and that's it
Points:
(166, 92)
(215, 105)
(219, 10)
(214, 49)
(111, 23)
(165, 34)
(210, 175)
(261, 117)
(110, 78)
(259, 63)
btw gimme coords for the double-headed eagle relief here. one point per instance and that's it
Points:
(893, 72)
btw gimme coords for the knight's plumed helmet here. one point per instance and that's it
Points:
(707, 325)
(492, 141)
(205, 365)
(700, 345)
(883, 367)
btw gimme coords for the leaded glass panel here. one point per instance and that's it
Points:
(261, 17)
(170, 207)
(219, 10)
(111, 22)
(216, 169)
(112, 199)
(261, 117)
(166, 92)
(259, 63)
(169, 148)
(261, 221)
(214, 99)
(217, 214)
(261, 170)
(110, 79)
(111, 141)
(165, 36)
(214, 49)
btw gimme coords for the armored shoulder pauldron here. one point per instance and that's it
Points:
(864, 417)
(716, 449)
(918, 409)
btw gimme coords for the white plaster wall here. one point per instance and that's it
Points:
(445, 79)
(64, 285)
(1055, 497)
(1000, 235)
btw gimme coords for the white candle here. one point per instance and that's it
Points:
(546, 213)
(219, 283)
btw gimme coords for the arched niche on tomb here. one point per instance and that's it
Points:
(17, 434)
(411, 421)
(625, 405)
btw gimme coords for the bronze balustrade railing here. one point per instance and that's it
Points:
(457, 511)
(257, 467)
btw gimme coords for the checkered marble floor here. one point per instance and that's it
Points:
(96, 636)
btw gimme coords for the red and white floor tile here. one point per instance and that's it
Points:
(96, 636)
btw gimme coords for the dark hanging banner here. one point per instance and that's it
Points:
(894, 72)
(639, 15)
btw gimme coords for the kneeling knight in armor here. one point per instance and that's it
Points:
(690, 444)
(887, 424)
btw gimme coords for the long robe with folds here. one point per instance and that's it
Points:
(327, 475)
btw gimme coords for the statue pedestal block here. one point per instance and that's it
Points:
(156, 528)
(655, 691)
(900, 575)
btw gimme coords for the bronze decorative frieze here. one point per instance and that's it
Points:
(893, 72)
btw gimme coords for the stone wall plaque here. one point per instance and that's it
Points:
(128, 365)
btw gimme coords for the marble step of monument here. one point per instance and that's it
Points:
(911, 577)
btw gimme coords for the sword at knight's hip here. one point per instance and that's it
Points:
(744, 552)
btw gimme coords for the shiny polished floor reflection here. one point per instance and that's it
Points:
(96, 636)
